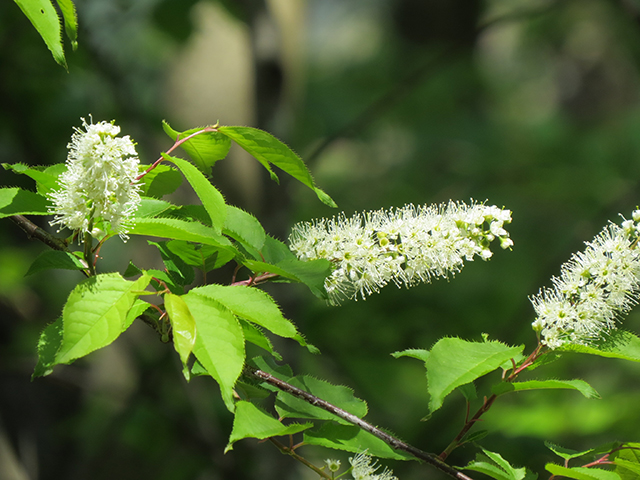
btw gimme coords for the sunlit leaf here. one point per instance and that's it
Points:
(269, 150)
(219, 343)
(582, 473)
(16, 201)
(95, 313)
(251, 422)
(618, 344)
(45, 19)
(205, 149)
(183, 327)
(580, 385)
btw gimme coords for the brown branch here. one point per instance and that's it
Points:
(34, 231)
(390, 440)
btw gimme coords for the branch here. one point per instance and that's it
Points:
(390, 440)
(34, 231)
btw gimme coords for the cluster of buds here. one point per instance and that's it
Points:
(405, 246)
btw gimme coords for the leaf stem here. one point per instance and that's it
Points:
(390, 440)
(290, 451)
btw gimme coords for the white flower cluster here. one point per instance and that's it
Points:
(406, 245)
(99, 183)
(595, 287)
(363, 469)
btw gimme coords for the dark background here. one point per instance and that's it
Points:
(533, 105)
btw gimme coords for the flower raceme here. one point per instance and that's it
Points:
(362, 468)
(595, 287)
(98, 193)
(405, 245)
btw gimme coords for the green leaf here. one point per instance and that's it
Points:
(495, 466)
(256, 336)
(181, 273)
(205, 149)
(211, 198)
(204, 257)
(46, 178)
(151, 207)
(219, 344)
(251, 422)
(16, 201)
(251, 304)
(453, 362)
(269, 150)
(583, 387)
(183, 327)
(565, 453)
(137, 309)
(160, 181)
(48, 346)
(96, 313)
(50, 259)
(627, 461)
(342, 397)
(618, 344)
(45, 19)
(68, 10)
(582, 473)
(180, 230)
(352, 439)
(244, 228)
(417, 353)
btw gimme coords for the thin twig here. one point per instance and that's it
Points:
(384, 436)
(34, 231)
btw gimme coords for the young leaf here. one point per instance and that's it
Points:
(137, 309)
(251, 422)
(627, 461)
(180, 230)
(244, 228)
(289, 406)
(352, 439)
(46, 179)
(582, 473)
(565, 453)
(205, 149)
(453, 362)
(256, 336)
(219, 344)
(45, 19)
(203, 257)
(253, 305)
(618, 344)
(48, 345)
(583, 387)
(96, 313)
(183, 327)
(493, 465)
(160, 181)
(413, 353)
(151, 207)
(181, 273)
(267, 150)
(16, 201)
(70, 17)
(211, 198)
(55, 259)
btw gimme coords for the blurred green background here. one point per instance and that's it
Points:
(531, 104)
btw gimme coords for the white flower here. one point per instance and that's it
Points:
(406, 246)
(595, 288)
(363, 469)
(332, 465)
(99, 183)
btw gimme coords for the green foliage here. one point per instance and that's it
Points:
(16, 201)
(251, 422)
(581, 473)
(495, 466)
(618, 344)
(205, 149)
(580, 385)
(46, 177)
(45, 19)
(51, 259)
(269, 150)
(160, 181)
(183, 328)
(453, 362)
